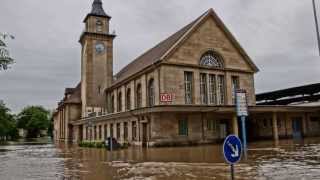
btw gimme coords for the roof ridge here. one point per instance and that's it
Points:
(161, 42)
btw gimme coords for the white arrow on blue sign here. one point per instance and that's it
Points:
(232, 149)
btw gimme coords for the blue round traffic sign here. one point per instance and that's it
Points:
(232, 149)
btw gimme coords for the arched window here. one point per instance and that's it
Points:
(112, 104)
(99, 25)
(151, 94)
(139, 96)
(119, 102)
(211, 59)
(128, 99)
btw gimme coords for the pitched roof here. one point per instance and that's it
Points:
(161, 50)
(75, 97)
(68, 91)
(151, 56)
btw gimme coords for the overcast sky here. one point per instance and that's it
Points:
(278, 35)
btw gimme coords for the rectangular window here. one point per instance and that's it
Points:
(188, 83)
(128, 100)
(87, 133)
(212, 89)
(105, 131)
(95, 132)
(134, 130)
(100, 132)
(220, 92)
(265, 123)
(270, 122)
(235, 86)
(203, 88)
(112, 104)
(118, 131)
(211, 125)
(111, 130)
(125, 131)
(183, 127)
(139, 96)
(279, 123)
(119, 103)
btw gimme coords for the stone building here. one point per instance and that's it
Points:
(179, 92)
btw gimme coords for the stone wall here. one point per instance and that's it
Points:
(172, 81)
(165, 128)
(208, 36)
(143, 80)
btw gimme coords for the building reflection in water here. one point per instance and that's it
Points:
(287, 158)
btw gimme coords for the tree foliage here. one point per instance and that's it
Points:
(5, 59)
(33, 119)
(50, 127)
(8, 129)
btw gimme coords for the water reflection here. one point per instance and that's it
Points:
(286, 160)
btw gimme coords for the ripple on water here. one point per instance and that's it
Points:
(37, 162)
(26, 162)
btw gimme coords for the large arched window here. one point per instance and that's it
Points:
(128, 99)
(139, 96)
(119, 109)
(151, 94)
(211, 59)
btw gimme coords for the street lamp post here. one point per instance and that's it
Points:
(316, 23)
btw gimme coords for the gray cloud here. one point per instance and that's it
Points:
(278, 35)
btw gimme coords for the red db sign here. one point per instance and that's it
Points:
(166, 97)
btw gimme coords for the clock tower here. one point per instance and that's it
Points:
(96, 59)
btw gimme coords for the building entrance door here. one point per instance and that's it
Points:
(297, 128)
(144, 134)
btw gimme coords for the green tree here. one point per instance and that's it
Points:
(33, 119)
(50, 128)
(8, 129)
(5, 59)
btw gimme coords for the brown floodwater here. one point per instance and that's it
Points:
(266, 160)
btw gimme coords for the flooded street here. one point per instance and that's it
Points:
(288, 160)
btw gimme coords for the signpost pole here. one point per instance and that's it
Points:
(232, 151)
(244, 135)
(111, 144)
(242, 112)
(232, 172)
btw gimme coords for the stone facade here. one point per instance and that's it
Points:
(63, 117)
(197, 69)
(93, 83)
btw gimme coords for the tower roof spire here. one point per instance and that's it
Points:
(97, 10)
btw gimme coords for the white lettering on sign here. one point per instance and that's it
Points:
(242, 107)
(166, 97)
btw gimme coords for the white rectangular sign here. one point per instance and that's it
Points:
(242, 106)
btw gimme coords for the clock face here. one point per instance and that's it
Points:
(100, 48)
